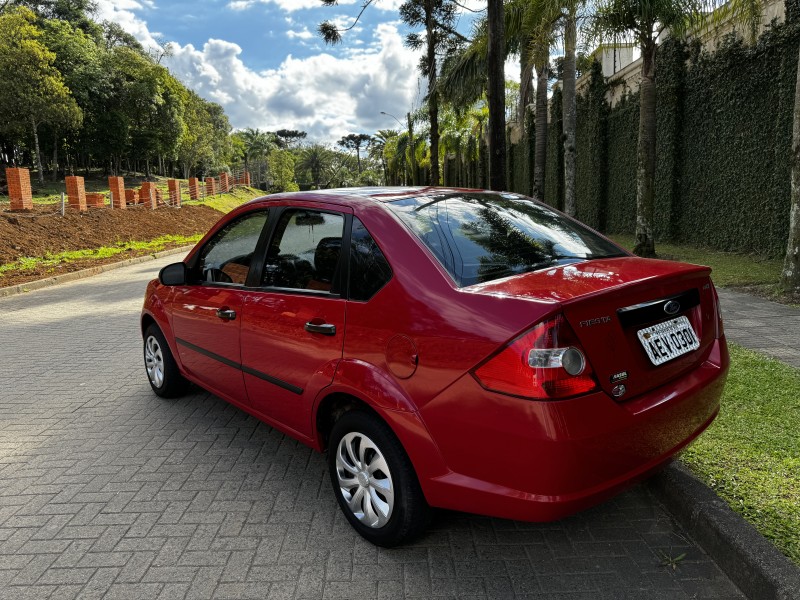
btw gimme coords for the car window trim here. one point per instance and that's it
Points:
(342, 269)
(193, 263)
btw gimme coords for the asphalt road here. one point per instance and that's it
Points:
(107, 491)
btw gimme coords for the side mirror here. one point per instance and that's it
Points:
(174, 274)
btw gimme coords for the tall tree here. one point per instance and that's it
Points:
(569, 105)
(438, 17)
(32, 91)
(258, 144)
(495, 56)
(532, 25)
(354, 141)
(289, 137)
(315, 159)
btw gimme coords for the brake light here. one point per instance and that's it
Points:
(720, 330)
(545, 363)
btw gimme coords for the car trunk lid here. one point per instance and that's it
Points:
(608, 302)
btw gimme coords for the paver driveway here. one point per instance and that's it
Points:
(108, 491)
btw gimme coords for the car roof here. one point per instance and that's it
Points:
(357, 195)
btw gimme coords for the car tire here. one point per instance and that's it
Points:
(162, 371)
(374, 480)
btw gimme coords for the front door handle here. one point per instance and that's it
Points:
(323, 328)
(226, 314)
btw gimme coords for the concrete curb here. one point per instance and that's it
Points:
(750, 560)
(75, 275)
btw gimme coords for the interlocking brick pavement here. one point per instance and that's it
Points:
(107, 491)
(767, 327)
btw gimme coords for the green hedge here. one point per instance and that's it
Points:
(734, 187)
(623, 135)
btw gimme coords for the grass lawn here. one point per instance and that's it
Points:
(729, 269)
(751, 454)
(151, 246)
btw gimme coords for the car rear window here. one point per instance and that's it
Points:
(480, 237)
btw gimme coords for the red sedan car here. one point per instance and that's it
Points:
(463, 349)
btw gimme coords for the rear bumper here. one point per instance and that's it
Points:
(540, 461)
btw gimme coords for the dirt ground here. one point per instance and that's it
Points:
(44, 231)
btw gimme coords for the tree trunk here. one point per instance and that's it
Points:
(540, 151)
(646, 155)
(55, 156)
(412, 151)
(496, 95)
(790, 276)
(38, 153)
(433, 95)
(525, 79)
(569, 110)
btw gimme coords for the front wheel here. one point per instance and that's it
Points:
(374, 481)
(162, 371)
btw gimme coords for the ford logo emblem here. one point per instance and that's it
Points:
(672, 307)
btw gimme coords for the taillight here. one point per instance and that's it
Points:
(720, 331)
(545, 363)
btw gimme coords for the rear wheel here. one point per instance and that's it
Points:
(374, 481)
(162, 370)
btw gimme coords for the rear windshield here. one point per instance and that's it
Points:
(485, 236)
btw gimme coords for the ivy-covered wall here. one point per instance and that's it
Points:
(592, 162)
(554, 165)
(736, 138)
(623, 135)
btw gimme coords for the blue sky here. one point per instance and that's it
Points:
(263, 61)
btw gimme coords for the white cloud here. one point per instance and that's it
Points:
(295, 5)
(324, 95)
(305, 34)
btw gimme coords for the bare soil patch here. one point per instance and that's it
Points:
(44, 231)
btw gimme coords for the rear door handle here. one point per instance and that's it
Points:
(323, 328)
(226, 314)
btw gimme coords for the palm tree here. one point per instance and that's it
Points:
(533, 25)
(257, 145)
(378, 147)
(315, 159)
(438, 17)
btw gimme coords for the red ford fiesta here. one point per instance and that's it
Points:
(463, 349)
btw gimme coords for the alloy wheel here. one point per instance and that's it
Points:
(365, 481)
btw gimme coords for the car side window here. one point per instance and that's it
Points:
(369, 270)
(226, 258)
(304, 251)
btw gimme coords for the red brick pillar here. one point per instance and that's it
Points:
(149, 194)
(211, 186)
(174, 187)
(117, 187)
(194, 188)
(19, 189)
(76, 193)
(224, 183)
(131, 197)
(247, 178)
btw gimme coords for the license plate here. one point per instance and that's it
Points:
(668, 340)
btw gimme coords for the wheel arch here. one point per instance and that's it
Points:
(406, 425)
